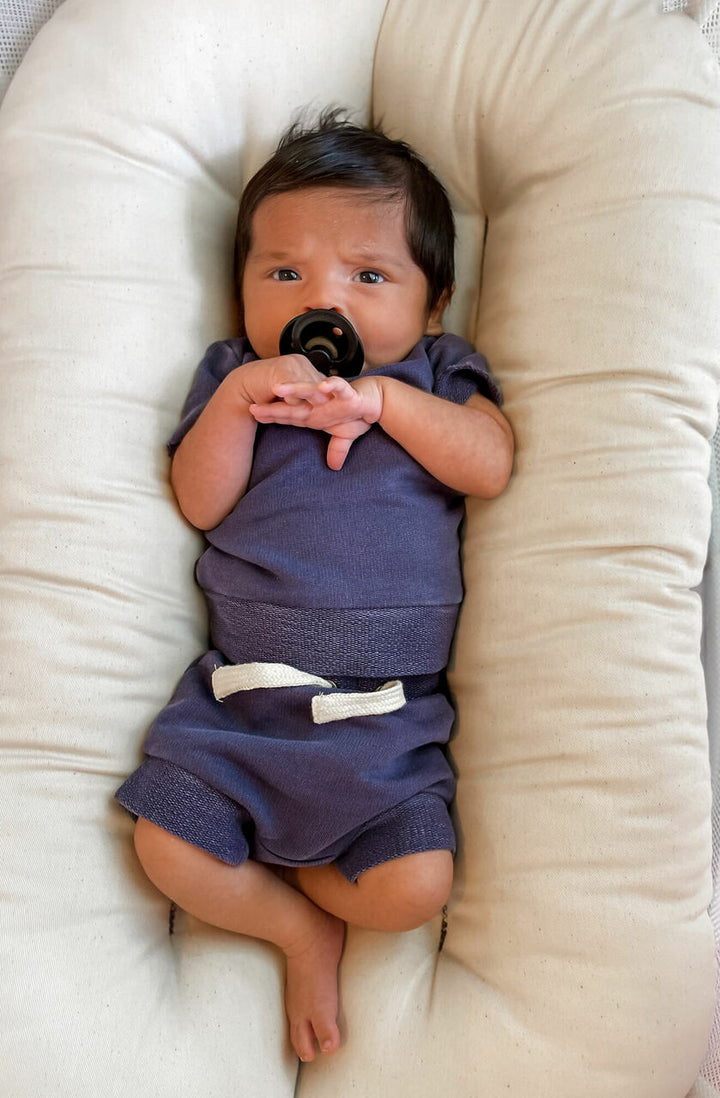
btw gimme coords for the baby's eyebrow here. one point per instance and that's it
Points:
(274, 256)
(363, 255)
(380, 257)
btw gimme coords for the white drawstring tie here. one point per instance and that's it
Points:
(325, 707)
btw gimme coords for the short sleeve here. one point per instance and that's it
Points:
(219, 360)
(469, 373)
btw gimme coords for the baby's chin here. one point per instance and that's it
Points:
(379, 361)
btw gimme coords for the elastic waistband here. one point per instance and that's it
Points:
(384, 642)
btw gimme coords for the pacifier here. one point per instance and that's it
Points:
(328, 339)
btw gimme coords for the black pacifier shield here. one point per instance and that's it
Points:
(327, 339)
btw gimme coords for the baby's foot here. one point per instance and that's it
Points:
(311, 990)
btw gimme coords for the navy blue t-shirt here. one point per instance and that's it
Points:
(353, 572)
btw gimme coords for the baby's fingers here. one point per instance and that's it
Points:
(337, 386)
(279, 411)
(295, 392)
(337, 451)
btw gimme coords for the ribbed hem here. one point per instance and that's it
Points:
(390, 641)
(417, 825)
(186, 806)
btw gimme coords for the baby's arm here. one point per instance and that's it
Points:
(468, 446)
(211, 466)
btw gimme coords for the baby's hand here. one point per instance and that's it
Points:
(341, 409)
(256, 382)
(322, 405)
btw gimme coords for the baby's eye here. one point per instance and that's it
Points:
(374, 278)
(285, 274)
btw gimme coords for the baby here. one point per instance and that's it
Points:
(297, 780)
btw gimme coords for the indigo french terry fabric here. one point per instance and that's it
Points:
(353, 576)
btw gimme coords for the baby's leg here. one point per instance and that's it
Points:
(398, 895)
(251, 899)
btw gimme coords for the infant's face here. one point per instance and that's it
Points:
(330, 248)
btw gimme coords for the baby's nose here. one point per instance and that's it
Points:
(322, 293)
(320, 305)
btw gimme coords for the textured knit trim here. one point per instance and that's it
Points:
(414, 826)
(186, 806)
(390, 642)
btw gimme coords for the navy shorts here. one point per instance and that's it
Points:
(252, 776)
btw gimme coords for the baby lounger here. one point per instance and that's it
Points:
(579, 142)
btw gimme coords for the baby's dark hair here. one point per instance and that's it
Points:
(338, 153)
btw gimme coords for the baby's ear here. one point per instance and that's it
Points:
(434, 322)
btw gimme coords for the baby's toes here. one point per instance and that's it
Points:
(307, 1035)
(302, 1038)
(327, 1035)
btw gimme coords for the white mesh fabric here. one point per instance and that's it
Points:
(706, 12)
(700, 10)
(20, 20)
(711, 29)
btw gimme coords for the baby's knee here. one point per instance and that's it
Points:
(159, 852)
(412, 889)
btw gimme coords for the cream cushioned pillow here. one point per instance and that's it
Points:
(124, 142)
(578, 957)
